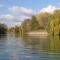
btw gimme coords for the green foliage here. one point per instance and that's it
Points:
(27, 25)
(54, 23)
(42, 18)
(35, 24)
(16, 29)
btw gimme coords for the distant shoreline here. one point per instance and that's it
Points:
(38, 33)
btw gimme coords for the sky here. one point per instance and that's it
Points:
(13, 12)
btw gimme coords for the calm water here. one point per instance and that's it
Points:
(29, 48)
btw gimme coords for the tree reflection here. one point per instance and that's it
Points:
(3, 39)
(36, 43)
(48, 44)
(54, 43)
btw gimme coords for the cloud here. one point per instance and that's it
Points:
(49, 9)
(16, 24)
(8, 17)
(21, 10)
(11, 20)
(25, 17)
(20, 14)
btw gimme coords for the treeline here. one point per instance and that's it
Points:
(3, 28)
(36, 23)
(41, 21)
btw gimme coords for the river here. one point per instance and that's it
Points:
(13, 47)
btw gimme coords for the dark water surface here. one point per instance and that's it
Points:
(29, 48)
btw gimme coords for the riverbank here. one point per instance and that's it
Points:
(38, 33)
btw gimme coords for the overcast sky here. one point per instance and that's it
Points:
(12, 12)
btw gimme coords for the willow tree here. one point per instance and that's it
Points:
(53, 26)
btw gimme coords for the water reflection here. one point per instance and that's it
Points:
(2, 42)
(44, 48)
(3, 53)
(54, 43)
(37, 43)
(14, 47)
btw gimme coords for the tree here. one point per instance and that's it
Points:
(16, 29)
(3, 28)
(42, 18)
(27, 25)
(35, 24)
(53, 26)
